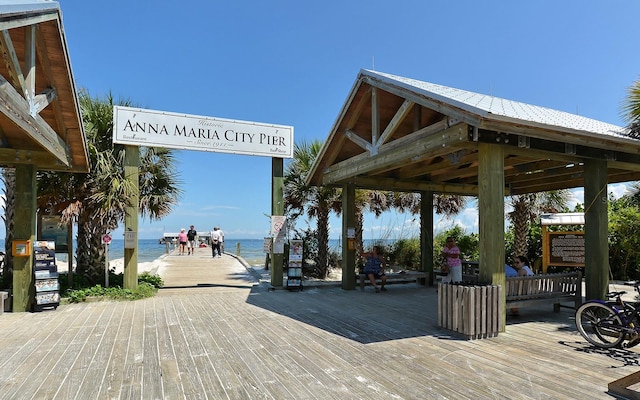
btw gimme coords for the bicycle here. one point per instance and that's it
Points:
(609, 323)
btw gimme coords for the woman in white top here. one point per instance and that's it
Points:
(521, 264)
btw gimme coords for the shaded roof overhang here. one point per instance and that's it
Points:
(40, 121)
(395, 133)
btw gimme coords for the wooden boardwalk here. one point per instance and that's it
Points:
(215, 333)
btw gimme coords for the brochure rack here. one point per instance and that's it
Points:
(294, 269)
(46, 276)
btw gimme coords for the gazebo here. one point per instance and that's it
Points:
(40, 123)
(401, 134)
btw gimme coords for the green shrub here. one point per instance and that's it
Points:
(405, 253)
(147, 287)
(154, 280)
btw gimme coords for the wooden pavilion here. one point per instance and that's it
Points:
(401, 134)
(40, 122)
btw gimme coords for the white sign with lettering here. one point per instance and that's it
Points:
(140, 127)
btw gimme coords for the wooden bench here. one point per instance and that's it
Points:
(522, 291)
(396, 277)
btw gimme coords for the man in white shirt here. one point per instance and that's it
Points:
(215, 242)
(221, 241)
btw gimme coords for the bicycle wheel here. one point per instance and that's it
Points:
(599, 324)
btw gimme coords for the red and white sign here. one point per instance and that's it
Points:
(106, 238)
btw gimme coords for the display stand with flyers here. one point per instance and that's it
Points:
(46, 276)
(294, 269)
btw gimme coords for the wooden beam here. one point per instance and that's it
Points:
(375, 116)
(406, 150)
(131, 171)
(544, 176)
(16, 108)
(596, 248)
(42, 100)
(399, 116)
(28, 20)
(355, 138)
(30, 67)
(11, 61)
(541, 154)
(601, 142)
(348, 226)
(438, 106)
(45, 68)
(24, 228)
(491, 219)
(426, 235)
(41, 159)
(377, 183)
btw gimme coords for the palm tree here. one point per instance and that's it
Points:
(314, 201)
(631, 109)
(631, 113)
(527, 208)
(97, 201)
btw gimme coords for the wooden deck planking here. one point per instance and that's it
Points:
(56, 351)
(114, 366)
(131, 386)
(95, 361)
(187, 350)
(207, 358)
(151, 373)
(170, 372)
(227, 340)
(246, 351)
(19, 344)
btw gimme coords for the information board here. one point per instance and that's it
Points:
(562, 249)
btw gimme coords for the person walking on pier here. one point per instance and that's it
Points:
(221, 241)
(215, 242)
(191, 237)
(182, 239)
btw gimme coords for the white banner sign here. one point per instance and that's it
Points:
(140, 127)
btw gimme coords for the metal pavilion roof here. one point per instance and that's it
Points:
(494, 107)
(397, 133)
(562, 219)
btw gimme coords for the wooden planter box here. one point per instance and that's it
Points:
(470, 309)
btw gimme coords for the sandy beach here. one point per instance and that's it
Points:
(153, 267)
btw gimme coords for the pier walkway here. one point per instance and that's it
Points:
(216, 332)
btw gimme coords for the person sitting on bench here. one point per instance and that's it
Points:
(521, 264)
(374, 268)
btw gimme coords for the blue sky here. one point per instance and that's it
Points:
(294, 63)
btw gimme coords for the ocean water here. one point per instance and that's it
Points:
(151, 249)
(251, 250)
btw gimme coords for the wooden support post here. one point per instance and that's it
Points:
(426, 235)
(596, 247)
(131, 172)
(277, 208)
(24, 229)
(70, 254)
(491, 218)
(348, 223)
